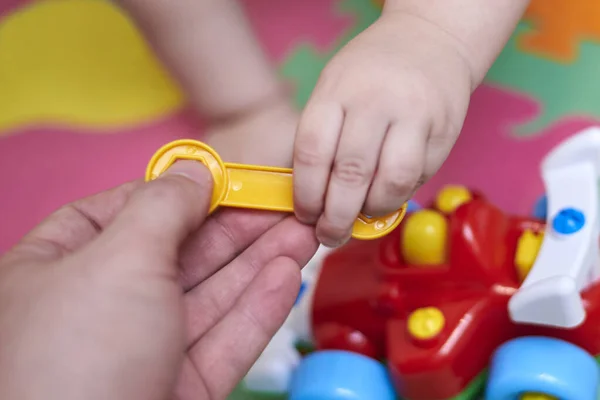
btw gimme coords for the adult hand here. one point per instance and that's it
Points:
(135, 294)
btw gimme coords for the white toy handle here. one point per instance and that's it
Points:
(568, 258)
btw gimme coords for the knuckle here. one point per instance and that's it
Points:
(309, 208)
(400, 185)
(352, 171)
(308, 152)
(371, 104)
(67, 213)
(167, 192)
(337, 222)
(392, 191)
(380, 206)
(328, 78)
(379, 210)
(333, 230)
(442, 139)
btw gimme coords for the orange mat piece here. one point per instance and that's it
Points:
(559, 26)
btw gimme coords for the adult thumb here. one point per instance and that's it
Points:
(160, 215)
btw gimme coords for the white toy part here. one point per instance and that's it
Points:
(273, 370)
(566, 263)
(300, 317)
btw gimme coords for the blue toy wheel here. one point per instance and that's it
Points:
(340, 375)
(542, 365)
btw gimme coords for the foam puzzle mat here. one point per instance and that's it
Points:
(84, 103)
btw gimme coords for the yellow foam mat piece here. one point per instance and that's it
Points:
(79, 62)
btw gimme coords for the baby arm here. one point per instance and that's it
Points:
(210, 48)
(480, 29)
(389, 106)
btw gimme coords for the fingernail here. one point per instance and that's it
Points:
(305, 219)
(304, 216)
(193, 170)
(332, 243)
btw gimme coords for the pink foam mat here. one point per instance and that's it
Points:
(44, 168)
(489, 157)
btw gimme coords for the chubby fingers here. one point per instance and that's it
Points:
(354, 165)
(400, 169)
(335, 157)
(350, 161)
(314, 150)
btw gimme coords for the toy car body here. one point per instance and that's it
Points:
(367, 293)
(475, 291)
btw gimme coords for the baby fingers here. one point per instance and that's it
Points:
(335, 189)
(314, 151)
(401, 168)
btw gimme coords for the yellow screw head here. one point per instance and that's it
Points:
(426, 323)
(451, 197)
(424, 238)
(537, 396)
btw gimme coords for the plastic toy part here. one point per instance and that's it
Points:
(300, 293)
(568, 259)
(537, 396)
(528, 247)
(451, 197)
(541, 366)
(299, 319)
(341, 375)
(568, 221)
(540, 210)
(254, 187)
(273, 371)
(367, 291)
(424, 238)
(412, 206)
(426, 323)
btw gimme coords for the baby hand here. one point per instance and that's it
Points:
(381, 121)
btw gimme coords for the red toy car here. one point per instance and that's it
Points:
(437, 325)
(460, 296)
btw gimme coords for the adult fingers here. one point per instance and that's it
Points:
(353, 169)
(160, 216)
(400, 168)
(221, 239)
(227, 351)
(73, 225)
(217, 295)
(314, 151)
(190, 385)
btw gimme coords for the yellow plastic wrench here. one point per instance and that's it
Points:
(254, 187)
